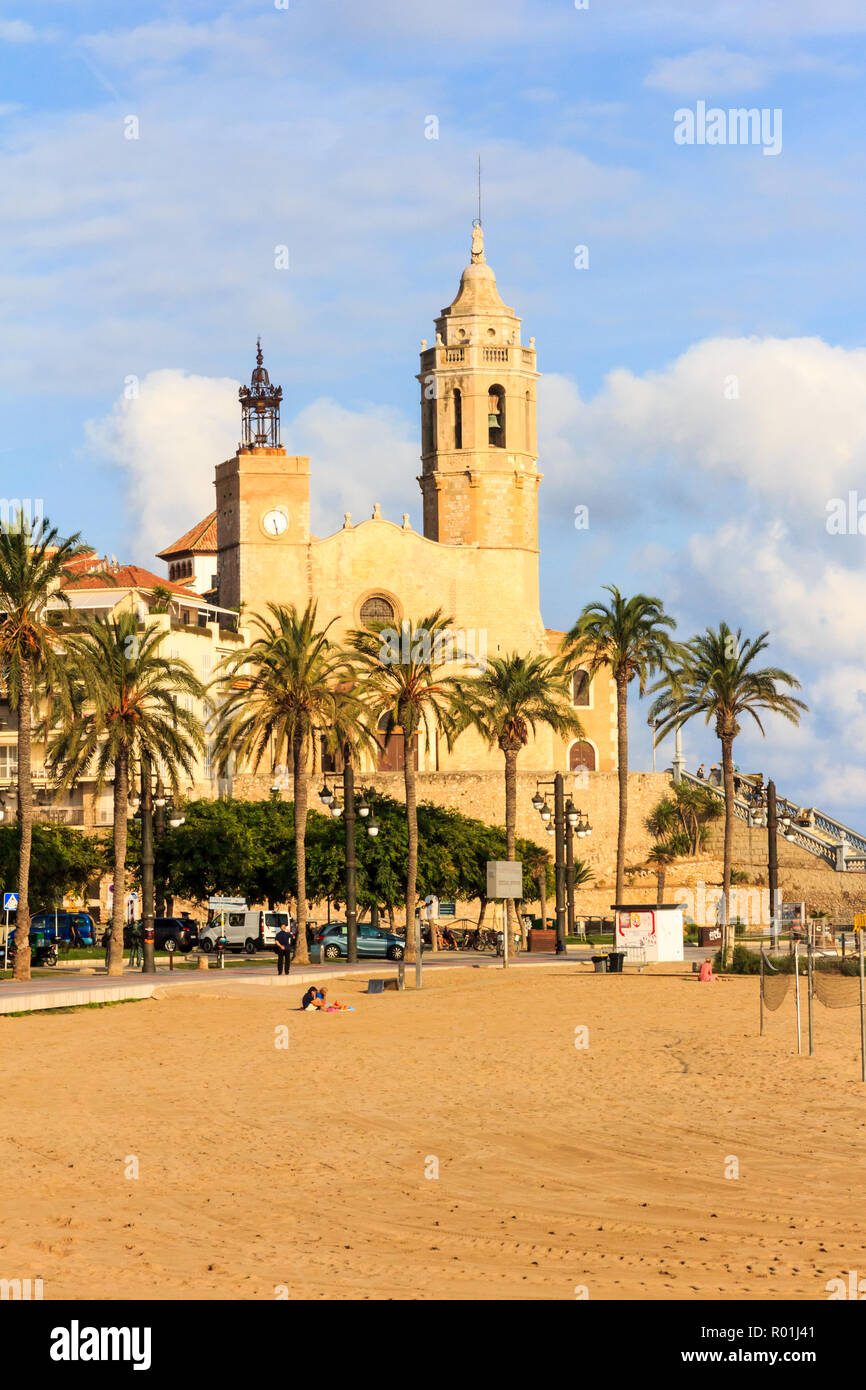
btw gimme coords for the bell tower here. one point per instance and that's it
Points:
(479, 445)
(263, 507)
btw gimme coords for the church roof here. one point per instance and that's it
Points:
(201, 539)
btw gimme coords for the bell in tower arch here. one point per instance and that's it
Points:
(496, 417)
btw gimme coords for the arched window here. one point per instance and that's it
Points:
(392, 751)
(377, 609)
(458, 420)
(580, 688)
(496, 417)
(581, 755)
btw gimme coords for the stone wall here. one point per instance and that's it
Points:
(482, 795)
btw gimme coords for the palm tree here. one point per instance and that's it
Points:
(632, 637)
(33, 565)
(407, 691)
(715, 677)
(512, 697)
(684, 815)
(118, 706)
(661, 856)
(291, 685)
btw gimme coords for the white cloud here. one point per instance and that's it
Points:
(708, 72)
(167, 442)
(785, 417)
(17, 31)
(358, 457)
(717, 72)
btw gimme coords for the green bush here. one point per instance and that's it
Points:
(743, 961)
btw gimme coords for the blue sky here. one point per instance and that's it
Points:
(153, 259)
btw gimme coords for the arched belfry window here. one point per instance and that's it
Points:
(377, 609)
(580, 688)
(458, 420)
(496, 417)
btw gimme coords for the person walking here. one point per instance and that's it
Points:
(283, 943)
(135, 954)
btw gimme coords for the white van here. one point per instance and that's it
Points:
(245, 930)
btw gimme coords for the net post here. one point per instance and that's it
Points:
(797, 987)
(761, 997)
(862, 1014)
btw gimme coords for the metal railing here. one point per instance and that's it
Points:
(840, 836)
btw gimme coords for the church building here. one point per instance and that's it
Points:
(478, 556)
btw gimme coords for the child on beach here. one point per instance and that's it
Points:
(318, 999)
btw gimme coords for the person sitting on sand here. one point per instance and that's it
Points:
(706, 975)
(314, 998)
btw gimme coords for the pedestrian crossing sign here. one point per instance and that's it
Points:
(10, 902)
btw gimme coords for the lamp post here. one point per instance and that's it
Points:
(148, 800)
(148, 964)
(328, 799)
(773, 862)
(540, 804)
(576, 823)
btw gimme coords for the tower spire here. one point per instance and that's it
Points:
(260, 408)
(477, 230)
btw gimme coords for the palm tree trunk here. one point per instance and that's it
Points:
(118, 906)
(661, 876)
(25, 821)
(622, 760)
(482, 913)
(299, 792)
(512, 925)
(412, 823)
(728, 774)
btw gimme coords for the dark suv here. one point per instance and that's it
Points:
(181, 932)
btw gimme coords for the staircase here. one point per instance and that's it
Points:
(837, 844)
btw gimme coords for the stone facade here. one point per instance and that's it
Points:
(477, 560)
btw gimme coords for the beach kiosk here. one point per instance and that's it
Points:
(649, 931)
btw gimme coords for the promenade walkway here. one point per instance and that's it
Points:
(73, 988)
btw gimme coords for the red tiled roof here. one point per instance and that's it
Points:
(128, 577)
(201, 539)
(87, 560)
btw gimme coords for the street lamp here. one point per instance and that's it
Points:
(559, 820)
(152, 799)
(328, 799)
(576, 824)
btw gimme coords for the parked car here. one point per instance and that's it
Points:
(250, 930)
(62, 928)
(169, 934)
(331, 943)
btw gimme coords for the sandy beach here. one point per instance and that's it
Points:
(559, 1167)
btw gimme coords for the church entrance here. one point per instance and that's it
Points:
(392, 756)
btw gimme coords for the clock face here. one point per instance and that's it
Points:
(274, 523)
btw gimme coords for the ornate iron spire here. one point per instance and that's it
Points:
(260, 408)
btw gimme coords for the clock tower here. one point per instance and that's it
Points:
(263, 507)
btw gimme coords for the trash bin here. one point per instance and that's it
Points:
(614, 962)
(600, 963)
